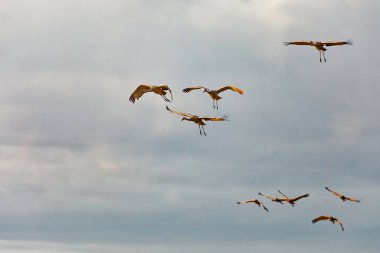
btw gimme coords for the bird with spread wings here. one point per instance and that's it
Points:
(143, 88)
(292, 201)
(342, 197)
(257, 202)
(329, 218)
(320, 45)
(198, 119)
(214, 94)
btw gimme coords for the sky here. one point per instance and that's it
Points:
(84, 170)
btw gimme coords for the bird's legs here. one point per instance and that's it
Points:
(204, 131)
(200, 131)
(216, 101)
(165, 98)
(320, 56)
(324, 55)
(213, 103)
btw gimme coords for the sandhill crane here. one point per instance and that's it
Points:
(293, 200)
(197, 119)
(278, 200)
(330, 218)
(342, 197)
(257, 202)
(214, 94)
(143, 88)
(320, 45)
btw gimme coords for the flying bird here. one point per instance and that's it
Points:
(214, 94)
(292, 201)
(143, 88)
(257, 202)
(330, 218)
(320, 45)
(198, 119)
(278, 200)
(342, 197)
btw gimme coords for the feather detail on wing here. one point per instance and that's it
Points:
(187, 90)
(338, 43)
(165, 87)
(320, 218)
(241, 92)
(335, 193)
(225, 118)
(180, 113)
(306, 43)
(352, 199)
(300, 197)
(140, 90)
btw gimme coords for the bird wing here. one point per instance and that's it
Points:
(241, 92)
(187, 90)
(206, 118)
(267, 196)
(306, 43)
(165, 87)
(335, 193)
(247, 201)
(180, 113)
(338, 43)
(300, 197)
(283, 194)
(320, 218)
(352, 199)
(140, 90)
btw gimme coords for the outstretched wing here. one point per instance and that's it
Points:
(352, 199)
(225, 118)
(140, 90)
(187, 90)
(282, 194)
(320, 218)
(300, 197)
(180, 113)
(241, 92)
(335, 193)
(247, 201)
(338, 43)
(305, 43)
(165, 87)
(267, 196)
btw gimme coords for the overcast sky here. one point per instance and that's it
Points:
(84, 170)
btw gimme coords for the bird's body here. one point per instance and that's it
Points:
(320, 45)
(278, 200)
(198, 119)
(292, 201)
(214, 94)
(333, 220)
(143, 88)
(342, 197)
(257, 202)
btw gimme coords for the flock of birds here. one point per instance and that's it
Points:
(292, 202)
(163, 89)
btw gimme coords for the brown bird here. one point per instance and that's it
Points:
(214, 94)
(143, 88)
(278, 200)
(197, 119)
(293, 200)
(320, 46)
(342, 197)
(330, 218)
(257, 202)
